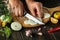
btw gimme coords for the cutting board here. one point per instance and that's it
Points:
(51, 10)
(54, 9)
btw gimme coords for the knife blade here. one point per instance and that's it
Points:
(33, 18)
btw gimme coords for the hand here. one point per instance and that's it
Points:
(35, 8)
(16, 7)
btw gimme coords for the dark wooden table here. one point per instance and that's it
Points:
(21, 34)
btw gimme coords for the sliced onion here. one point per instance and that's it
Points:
(16, 26)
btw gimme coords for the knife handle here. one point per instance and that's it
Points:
(25, 13)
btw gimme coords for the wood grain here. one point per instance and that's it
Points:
(20, 35)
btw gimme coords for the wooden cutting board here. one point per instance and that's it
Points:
(51, 10)
(54, 9)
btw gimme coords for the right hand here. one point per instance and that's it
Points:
(16, 7)
(35, 8)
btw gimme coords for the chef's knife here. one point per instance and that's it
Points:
(33, 18)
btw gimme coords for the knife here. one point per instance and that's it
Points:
(33, 18)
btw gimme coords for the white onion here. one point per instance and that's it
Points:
(16, 26)
(46, 15)
(30, 22)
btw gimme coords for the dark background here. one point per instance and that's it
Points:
(47, 3)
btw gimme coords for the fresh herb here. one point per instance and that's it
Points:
(6, 31)
(5, 18)
(3, 8)
(1, 31)
(8, 19)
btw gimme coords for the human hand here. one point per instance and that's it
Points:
(16, 7)
(35, 8)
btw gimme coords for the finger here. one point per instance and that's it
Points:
(21, 10)
(39, 11)
(12, 9)
(41, 6)
(16, 11)
(20, 13)
(32, 12)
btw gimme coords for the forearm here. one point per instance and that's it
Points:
(27, 1)
(13, 1)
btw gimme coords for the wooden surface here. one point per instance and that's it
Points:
(21, 34)
(46, 36)
(54, 9)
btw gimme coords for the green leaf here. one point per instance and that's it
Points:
(7, 31)
(2, 31)
(2, 17)
(8, 19)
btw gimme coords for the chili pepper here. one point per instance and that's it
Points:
(54, 29)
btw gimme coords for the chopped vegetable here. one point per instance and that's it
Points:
(7, 32)
(54, 21)
(28, 32)
(2, 17)
(46, 15)
(57, 15)
(5, 19)
(8, 19)
(16, 26)
(30, 22)
(4, 24)
(1, 30)
(40, 33)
